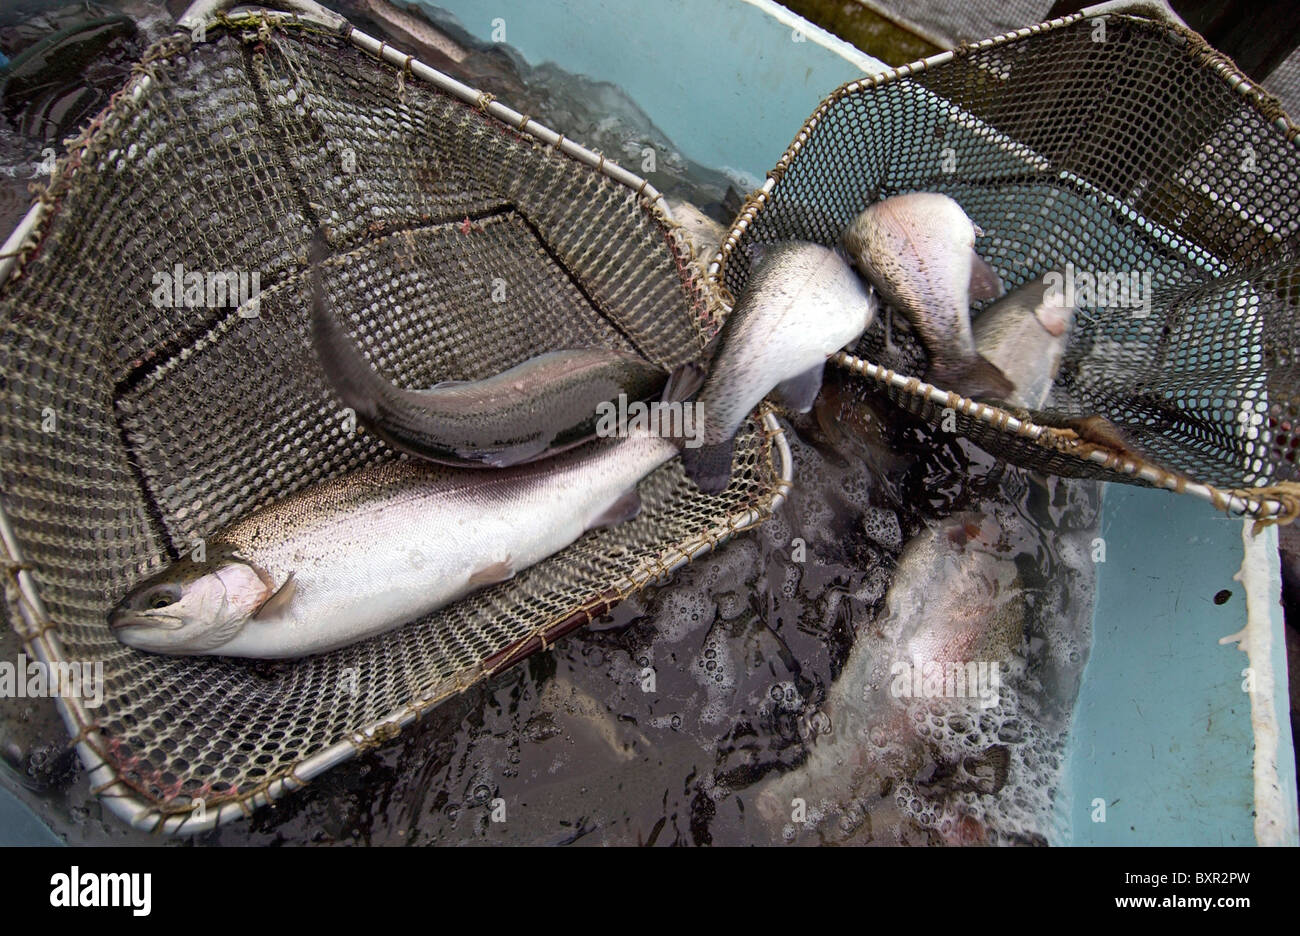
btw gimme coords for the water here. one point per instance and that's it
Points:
(665, 721)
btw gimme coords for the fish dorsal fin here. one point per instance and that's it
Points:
(683, 383)
(279, 600)
(984, 280)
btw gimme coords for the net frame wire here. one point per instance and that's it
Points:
(39, 633)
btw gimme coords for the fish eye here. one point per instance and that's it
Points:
(160, 597)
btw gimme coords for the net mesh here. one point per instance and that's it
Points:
(132, 426)
(1119, 146)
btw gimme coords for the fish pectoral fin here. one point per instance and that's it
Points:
(492, 573)
(984, 280)
(709, 466)
(507, 455)
(444, 384)
(1053, 318)
(976, 378)
(279, 600)
(798, 393)
(683, 383)
(622, 510)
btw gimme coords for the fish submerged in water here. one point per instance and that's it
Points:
(802, 304)
(938, 726)
(1024, 335)
(533, 410)
(703, 233)
(953, 601)
(919, 251)
(955, 598)
(856, 425)
(367, 552)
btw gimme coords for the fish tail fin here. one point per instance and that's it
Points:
(318, 250)
(344, 366)
(984, 280)
(683, 424)
(975, 378)
(709, 466)
(800, 392)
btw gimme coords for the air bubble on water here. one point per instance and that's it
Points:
(731, 604)
(684, 613)
(882, 526)
(816, 514)
(784, 697)
(777, 531)
(790, 583)
(873, 587)
(857, 490)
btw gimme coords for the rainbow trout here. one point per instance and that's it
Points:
(803, 303)
(1024, 335)
(367, 552)
(919, 251)
(534, 410)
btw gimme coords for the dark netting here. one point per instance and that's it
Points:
(1118, 145)
(130, 429)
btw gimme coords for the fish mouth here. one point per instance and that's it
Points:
(122, 620)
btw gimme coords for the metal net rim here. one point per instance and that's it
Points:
(40, 640)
